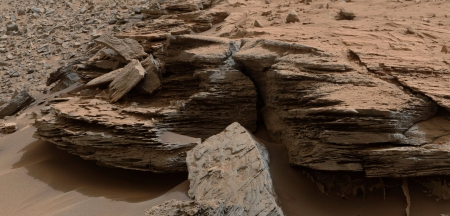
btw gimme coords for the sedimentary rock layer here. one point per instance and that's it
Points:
(200, 95)
(335, 115)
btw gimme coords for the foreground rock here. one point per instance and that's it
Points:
(228, 174)
(18, 102)
(200, 95)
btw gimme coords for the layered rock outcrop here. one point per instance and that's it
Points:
(345, 109)
(200, 95)
(228, 174)
(336, 115)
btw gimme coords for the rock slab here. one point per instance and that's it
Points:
(229, 175)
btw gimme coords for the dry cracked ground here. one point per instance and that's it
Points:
(225, 107)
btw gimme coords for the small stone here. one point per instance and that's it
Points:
(346, 15)
(10, 127)
(444, 49)
(9, 57)
(21, 12)
(30, 71)
(12, 27)
(13, 73)
(45, 110)
(258, 24)
(292, 17)
(37, 10)
(267, 1)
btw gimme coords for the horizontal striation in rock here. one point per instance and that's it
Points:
(333, 114)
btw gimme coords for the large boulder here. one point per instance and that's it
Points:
(228, 175)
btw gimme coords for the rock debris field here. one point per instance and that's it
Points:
(225, 107)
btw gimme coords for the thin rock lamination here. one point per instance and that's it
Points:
(200, 94)
(335, 115)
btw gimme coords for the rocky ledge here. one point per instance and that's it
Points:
(347, 109)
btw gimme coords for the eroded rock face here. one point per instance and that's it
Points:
(228, 175)
(332, 114)
(200, 95)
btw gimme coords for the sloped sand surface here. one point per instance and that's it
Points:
(36, 178)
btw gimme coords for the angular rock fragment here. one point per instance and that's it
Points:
(345, 15)
(105, 78)
(128, 48)
(317, 104)
(129, 77)
(229, 175)
(18, 102)
(292, 17)
(151, 81)
(234, 167)
(444, 49)
(65, 76)
(258, 24)
(229, 26)
(10, 127)
(11, 27)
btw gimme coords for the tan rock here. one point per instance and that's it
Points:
(10, 127)
(104, 79)
(151, 81)
(292, 17)
(233, 167)
(129, 77)
(128, 48)
(445, 49)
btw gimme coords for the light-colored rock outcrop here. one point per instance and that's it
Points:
(228, 175)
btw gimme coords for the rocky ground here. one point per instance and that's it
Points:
(355, 90)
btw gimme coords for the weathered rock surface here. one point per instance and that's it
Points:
(128, 77)
(195, 208)
(151, 81)
(229, 175)
(333, 115)
(234, 167)
(200, 95)
(127, 48)
(105, 78)
(19, 101)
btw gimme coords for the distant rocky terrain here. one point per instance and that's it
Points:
(165, 86)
